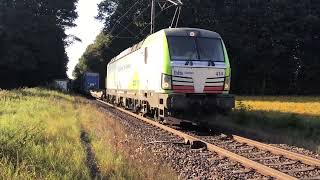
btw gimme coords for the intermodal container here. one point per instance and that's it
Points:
(90, 82)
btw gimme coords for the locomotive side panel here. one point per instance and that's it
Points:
(150, 72)
(135, 79)
(140, 70)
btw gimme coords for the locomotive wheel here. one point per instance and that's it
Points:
(135, 109)
(155, 116)
(225, 112)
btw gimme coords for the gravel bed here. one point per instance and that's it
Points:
(228, 143)
(297, 150)
(307, 175)
(188, 163)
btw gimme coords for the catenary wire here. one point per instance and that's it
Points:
(120, 18)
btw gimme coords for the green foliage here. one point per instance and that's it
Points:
(269, 44)
(40, 136)
(33, 40)
(93, 60)
(278, 127)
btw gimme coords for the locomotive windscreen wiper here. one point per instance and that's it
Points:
(189, 62)
(211, 62)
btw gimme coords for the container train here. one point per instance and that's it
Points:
(172, 72)
(90, 81)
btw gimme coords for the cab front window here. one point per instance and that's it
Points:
(210, 49)
(183, 48)
(195, 49)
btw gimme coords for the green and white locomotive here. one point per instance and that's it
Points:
(173, 71)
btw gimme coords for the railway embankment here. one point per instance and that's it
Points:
(188, 161)
(50, 135)
(247, 158)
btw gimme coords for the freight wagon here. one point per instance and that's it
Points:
(90, 81)
(62, 84)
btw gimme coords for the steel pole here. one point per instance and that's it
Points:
(153, 13)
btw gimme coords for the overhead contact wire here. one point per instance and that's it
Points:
(126, 27)
(120, 18)
(157, 15)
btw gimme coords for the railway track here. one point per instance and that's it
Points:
(270, 161)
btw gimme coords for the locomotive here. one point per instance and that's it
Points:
(172, 72)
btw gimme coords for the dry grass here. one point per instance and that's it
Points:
(113, 146)
(40, 139)
(304, 106)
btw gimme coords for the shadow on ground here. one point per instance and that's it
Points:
(270, 127)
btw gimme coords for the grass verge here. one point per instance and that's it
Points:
(118, 155)
(288, 120)
(40, 134)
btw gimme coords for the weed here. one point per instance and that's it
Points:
(40, 138)
(114, 150)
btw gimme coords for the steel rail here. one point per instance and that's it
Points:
(265, 170)
(278, 151)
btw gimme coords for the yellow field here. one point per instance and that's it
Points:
(285, 119)
(304, 106)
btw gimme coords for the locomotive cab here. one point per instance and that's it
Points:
(201, 74)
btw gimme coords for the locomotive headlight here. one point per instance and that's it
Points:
(166, 82)
(227, 83)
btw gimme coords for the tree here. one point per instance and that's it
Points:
(33, 41)
(272, 44)
(93, 60)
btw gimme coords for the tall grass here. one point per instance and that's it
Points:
(100, 129)
(114, 150)
(40, 134)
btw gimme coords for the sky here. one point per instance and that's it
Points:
(87, 29)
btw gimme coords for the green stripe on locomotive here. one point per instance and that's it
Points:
(160, 39)
(166, 61)
(226, 60)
